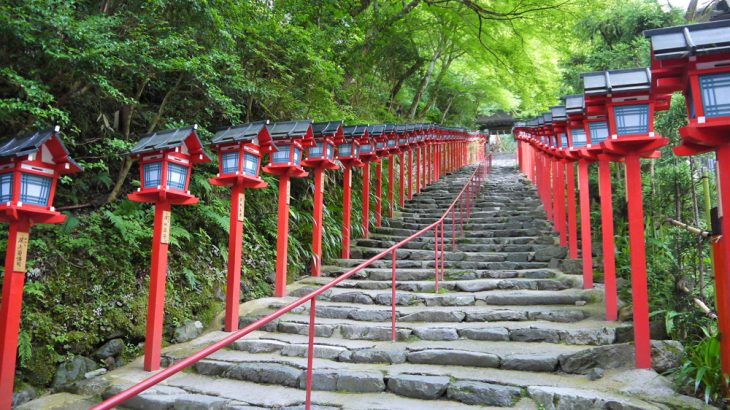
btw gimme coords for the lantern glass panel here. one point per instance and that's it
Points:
(330, 152)
(229, 162)
(6, 187)
(380, 145)
(281, 156)
(391, 143)
(715, 94)
(316, 151)
(631, 119)
(563, 140)
(599, 132)
(177, 176)
(297, 156)
(579, 137)
(366, 149)
(250, 164)
(152, 174)
(35, 189)
(345, 150)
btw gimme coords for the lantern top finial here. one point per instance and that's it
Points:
(617, 81)
(173, 138)
(690, 40)
(27, 144)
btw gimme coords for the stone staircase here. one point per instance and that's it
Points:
(506, 329)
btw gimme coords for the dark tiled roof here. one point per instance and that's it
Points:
(26, 144)
(355, 131)
(574, 104)
(690, 40)
(289, 129)
(376, 130)
(547, 118)
(389, 128)
(237, 133)
(558, 112)
(617, 81)
(160, 140)
(326, 129)
(401, 128)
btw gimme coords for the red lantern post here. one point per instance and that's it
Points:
(392, 147)
(349, 154)
(290, 137)
(381, 138)
(693, 59)
(630, 110)
(165, 159)
(403, 132)
(239, 151)
(321, 157)
(574, 106)
(30, 166)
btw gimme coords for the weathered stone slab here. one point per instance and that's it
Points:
(418, 387)
(483, 394)
(454, 358)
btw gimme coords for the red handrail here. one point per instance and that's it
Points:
(145, 384)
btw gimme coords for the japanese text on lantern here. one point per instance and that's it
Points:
(165, 235)
(21, 250)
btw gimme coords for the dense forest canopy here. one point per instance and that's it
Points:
(109, 71)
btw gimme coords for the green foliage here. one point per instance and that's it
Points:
(703, 371)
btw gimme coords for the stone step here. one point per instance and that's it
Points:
(445, 314)
(586, 332)
(541, 254)
(387, 263)
(472, 233)
(418, 274)
(547, 239)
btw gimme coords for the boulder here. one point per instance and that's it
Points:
(109, 349)
(188, 331)
(72, 370)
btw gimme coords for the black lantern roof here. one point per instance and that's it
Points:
(540, 121)
(401, 128)
(238, 133)
(355, 131)
(290, 129)
(617, 81)
(547, 118)
(532, 123)
(559, 113)
(326, 129)
(690, 40)
(389, 128)
(26, 144)
(169, 139)
(574, 104)
(376, 130)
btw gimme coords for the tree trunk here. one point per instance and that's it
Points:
(437, 84)
(446, 110)
(424, 83)
(399, 84)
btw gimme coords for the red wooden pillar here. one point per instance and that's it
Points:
(317, 225)
(572, 215)
(11, 305)
(158, 280)
(418, 169)
(410, 174)
(722, 256)
(549, 188)
(560, 200)
(391, 188)
(585, 225)
(609, 257)
(282, 240)
(401, 181)
(366, 199)
(235, 243)
(379, 193)
(638, 261)
(347, 202)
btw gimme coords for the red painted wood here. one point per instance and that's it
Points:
(390, 185)
(401, 180)
(560, 201)
(722, 281)
(410, 174)
(585, 225)
(366, 200)
(156, 304)
(10, 310)
(638, 261)
(282, 237)
(572, 213)
(609, 257)
(235, 242)
(317, 221)
(346, 205)
(379, 193)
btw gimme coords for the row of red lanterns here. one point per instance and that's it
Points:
(31, 164)
(612, 121)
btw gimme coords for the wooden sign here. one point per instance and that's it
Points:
(241, 206)
(165, 236)
(21, 251)
(288, 192)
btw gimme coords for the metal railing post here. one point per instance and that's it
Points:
(436, 255)
(392, 297)
(310, 351)
(443, 252)
(453, 230)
